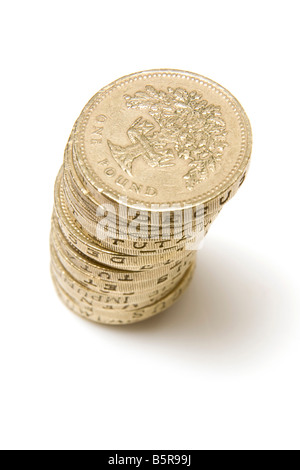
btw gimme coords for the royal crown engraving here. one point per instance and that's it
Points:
(184, 126)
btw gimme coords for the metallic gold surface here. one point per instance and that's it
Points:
(91, 247)
(177, 137)
(120, 317)
(123, 284)
(153, 158)
(115, 300)
(86, 201)
(142, 245)
(110, 273)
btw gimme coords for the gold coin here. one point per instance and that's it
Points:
(111, 238)
(157, 219)
(171, 225)
(92, 248)
(146, 227)
(110, 274)
(90, 221)
(180, 139)
(104, 284)
(114, 300)
(150, 162)
(115, 317)
(136, 296)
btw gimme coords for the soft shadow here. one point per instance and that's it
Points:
(235, 309)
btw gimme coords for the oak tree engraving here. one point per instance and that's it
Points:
(183, 126)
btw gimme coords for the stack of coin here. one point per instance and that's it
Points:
(150, 162)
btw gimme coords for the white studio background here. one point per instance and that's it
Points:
(220, 370)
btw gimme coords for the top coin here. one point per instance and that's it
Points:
(162, 137)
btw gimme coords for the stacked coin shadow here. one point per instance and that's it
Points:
(116, 262)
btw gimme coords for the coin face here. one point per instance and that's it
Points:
(123, 316)
(162, 137)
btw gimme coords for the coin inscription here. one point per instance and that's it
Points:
(151, 161)
(179, 133)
